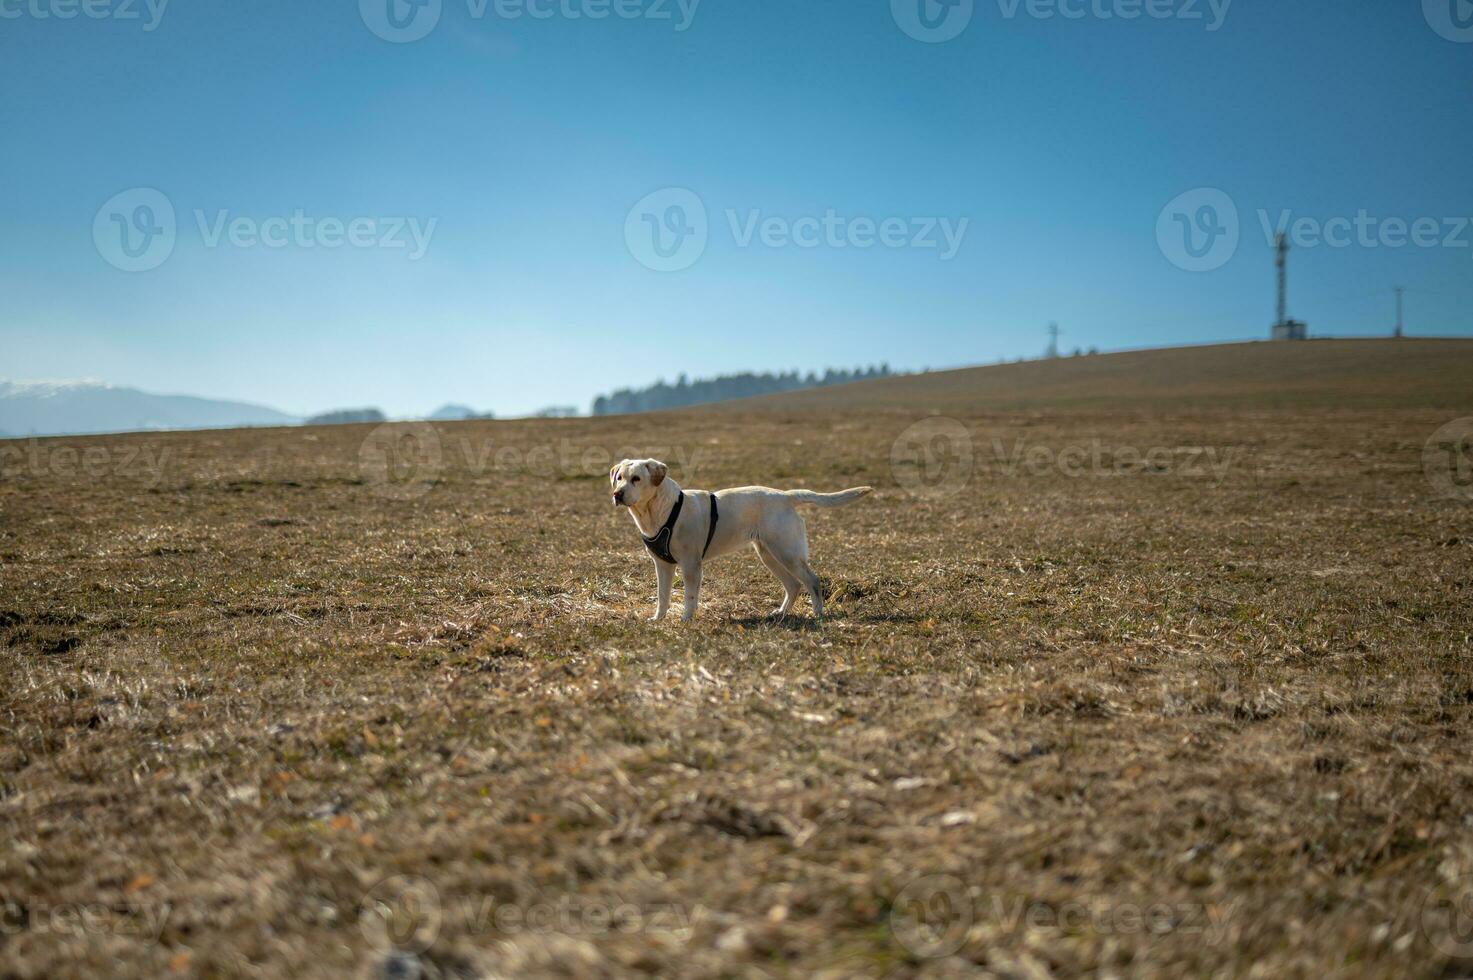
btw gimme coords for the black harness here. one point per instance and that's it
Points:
(659, 545)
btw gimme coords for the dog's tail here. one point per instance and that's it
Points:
(828, 499)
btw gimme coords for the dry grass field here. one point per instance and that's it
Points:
(1151, 664)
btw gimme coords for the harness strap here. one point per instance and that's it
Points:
(659, 544)
(711, 531)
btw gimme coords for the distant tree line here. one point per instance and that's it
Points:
(346, 416)
(684, 392)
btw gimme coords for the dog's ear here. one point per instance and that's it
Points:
(614, 473)
(657, 472)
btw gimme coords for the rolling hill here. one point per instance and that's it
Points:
(1148, 664)
(1362, 374)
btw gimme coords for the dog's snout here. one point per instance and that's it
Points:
(619, 496)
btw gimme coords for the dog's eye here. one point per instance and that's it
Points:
(634, 479)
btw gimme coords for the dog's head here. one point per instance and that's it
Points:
(636, 480)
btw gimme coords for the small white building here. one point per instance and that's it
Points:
(1290, 330)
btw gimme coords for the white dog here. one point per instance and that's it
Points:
(684, 529)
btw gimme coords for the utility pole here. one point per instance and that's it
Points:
(1285, 328)
(1053, 340)
(1399, 291)
(1281, 259)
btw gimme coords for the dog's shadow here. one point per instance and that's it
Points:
(891, 617)
(805, 624)
(795, 624)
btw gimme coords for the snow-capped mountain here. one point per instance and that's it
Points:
(44, 408)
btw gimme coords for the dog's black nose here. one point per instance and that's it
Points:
(619, 496)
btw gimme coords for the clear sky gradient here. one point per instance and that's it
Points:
(528, 140)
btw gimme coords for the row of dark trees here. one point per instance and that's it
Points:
(686, 392)
(345, 416)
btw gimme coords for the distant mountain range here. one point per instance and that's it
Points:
(46, 408)
(56, 408)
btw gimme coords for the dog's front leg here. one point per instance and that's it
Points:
(691, 575)
(664, 576)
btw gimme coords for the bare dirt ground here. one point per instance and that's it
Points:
(1178, 683)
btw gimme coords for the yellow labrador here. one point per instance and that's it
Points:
(684, 529)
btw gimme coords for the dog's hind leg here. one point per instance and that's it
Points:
(810, 581)
(790, 584)
(791, 551)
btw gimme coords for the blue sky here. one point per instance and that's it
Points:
(518, 146)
